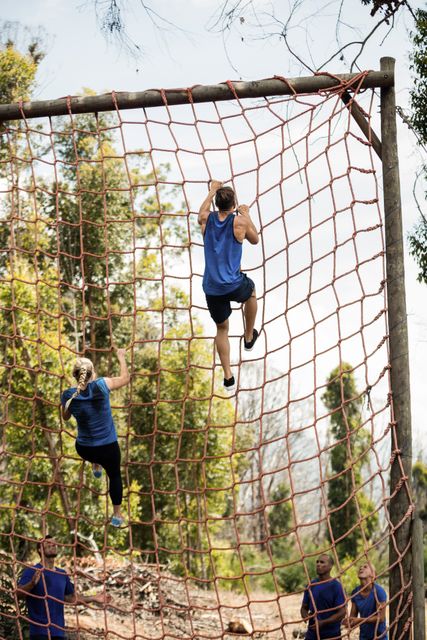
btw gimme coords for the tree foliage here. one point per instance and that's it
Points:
(350, 511)
(419, 479)
(419, 67)
(418, 248)
(418, 236)
(83, 270)
(387, 7)
(17, 73)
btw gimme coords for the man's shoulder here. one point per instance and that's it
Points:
(312, 583)
(332, 583)
(203, 216)
(338, 585)
(59, 570)
(32, 568)
(28, 572)
(380, 591)
(60, 575)
(240, 221)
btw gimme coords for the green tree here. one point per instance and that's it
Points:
(419, 479)
(18, 71)
(9, 626)
(418, 236)
(351, 514)
(280, 522)
(181, 451)
(87, 264)
(419, 67)
(112, 222)
(17, 80)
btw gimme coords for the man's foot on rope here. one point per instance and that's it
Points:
(97, 470)
(250, 345)
(230, 384)
(117, 521)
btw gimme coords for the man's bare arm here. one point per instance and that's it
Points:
(205, 207)
(79, 598)
(251, 234)
(23, 589)
(304, 612)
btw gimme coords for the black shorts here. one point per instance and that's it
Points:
(220, 307)
(47, 637)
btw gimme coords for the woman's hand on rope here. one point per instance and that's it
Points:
(351, 622)
(123, 378)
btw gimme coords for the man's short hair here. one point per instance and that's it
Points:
(330, 558)
(40, 542)
(225, 198)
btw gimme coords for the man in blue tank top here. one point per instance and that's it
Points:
(47, 589)
(323, 604)
(223, 233)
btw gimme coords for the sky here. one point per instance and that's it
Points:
(79, 56)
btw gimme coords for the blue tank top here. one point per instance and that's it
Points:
(223, 255)
(92, 411)
(46, 612)
(367, 607)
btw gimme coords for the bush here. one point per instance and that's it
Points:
(9, 623)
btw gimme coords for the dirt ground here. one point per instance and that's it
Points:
(154, 604)
(146, 604)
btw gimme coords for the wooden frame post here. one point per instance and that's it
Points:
(400, 507)
(200, 93)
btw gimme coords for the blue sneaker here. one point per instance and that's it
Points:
(117, 521)
(97, 473)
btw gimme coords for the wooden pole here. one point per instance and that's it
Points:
(418, 578)
(401, 469)
(199, 93)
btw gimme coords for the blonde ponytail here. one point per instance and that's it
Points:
(82, 371)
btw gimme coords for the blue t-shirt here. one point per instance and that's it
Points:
(54, 584)
(223, 255)
(367, 607)
(324, 598)
(92, 410)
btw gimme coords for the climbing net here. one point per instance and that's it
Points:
(228, 501)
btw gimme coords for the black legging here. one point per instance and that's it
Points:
(108, 456)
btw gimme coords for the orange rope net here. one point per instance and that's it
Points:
(228, 502)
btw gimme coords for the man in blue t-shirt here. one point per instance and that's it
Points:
(368, 606)
(323, 604)
(46, 589)
(223, 282)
